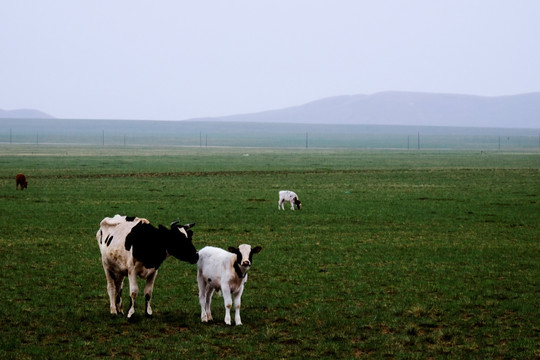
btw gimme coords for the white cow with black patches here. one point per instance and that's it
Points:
(225, 271)
(290, 196)
(132, 247)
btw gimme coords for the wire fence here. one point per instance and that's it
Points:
(215, 134)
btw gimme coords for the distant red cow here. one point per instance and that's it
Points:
(20, 179)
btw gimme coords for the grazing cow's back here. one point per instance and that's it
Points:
(132, 247)
(20, 180)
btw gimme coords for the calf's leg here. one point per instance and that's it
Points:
(209, 294)
(237, 303)
(205, 297)
(227, 299)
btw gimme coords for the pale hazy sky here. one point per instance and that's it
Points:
(175, 59)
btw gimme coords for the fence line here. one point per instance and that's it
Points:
(278, 137)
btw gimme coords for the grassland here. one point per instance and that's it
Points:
(418, 254)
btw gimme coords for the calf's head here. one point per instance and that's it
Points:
(180, 245)
(244, 254)
(298, 203)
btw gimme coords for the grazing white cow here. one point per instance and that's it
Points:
(290, 196)
(131, 247)
(223, 270)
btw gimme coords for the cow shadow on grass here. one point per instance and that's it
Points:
(171, 318)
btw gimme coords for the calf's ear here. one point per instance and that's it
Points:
(233, 249)
(256, 249)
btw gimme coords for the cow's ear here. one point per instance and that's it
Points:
(256, 249)
(233, 249)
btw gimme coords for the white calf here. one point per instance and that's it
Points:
(226, 271)
(290, 196)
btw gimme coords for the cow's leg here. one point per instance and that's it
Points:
(281, 203)
(237, 303)
(133, 292)
(148, 289)
(202, 297)
(119, 284)
(227, 299)
(209, 294)
(292, 205)
(111, 290)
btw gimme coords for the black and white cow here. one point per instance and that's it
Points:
(290, 196)
(132, 247)
(225, 271)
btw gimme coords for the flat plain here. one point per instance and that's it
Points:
(395, 254)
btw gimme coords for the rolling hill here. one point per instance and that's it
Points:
(387, 108)
(409, 108)
(24, 114)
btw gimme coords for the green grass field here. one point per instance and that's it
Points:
(396, 254)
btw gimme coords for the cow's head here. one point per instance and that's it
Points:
(181, 246)
(244, 255)
(298, 203)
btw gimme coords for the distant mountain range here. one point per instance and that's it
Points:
(409, 108)
(24, 114)
(389, 108)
